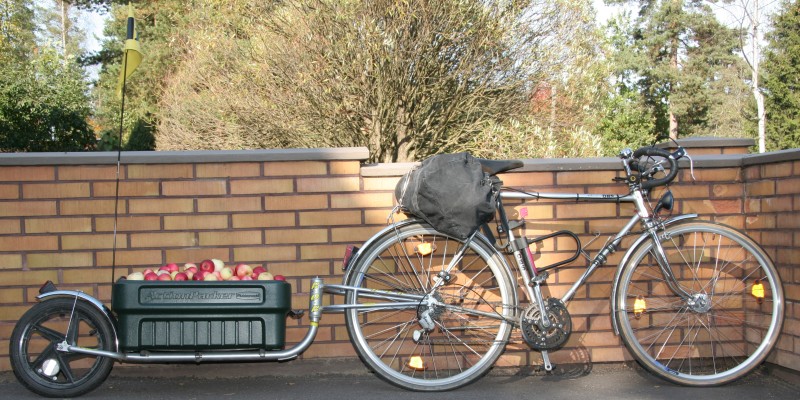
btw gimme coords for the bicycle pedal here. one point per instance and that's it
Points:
(296, 314)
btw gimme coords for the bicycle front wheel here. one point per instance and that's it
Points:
(439, 336)
(724, 323)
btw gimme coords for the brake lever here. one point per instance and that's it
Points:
(680, 153)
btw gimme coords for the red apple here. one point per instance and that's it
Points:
(180, 276)
(279, 278)
(151, 276)
(243, 270)
(258, 270)
(207, 266)
(164, 277)
(234, 278)
(193, 269)
(218, 264)
(190, 265)
(147, 271)
(189, 275)
(171, 267)
(199, 276)
(247, 278)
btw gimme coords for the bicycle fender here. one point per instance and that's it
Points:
(89, 299)
(635, 246)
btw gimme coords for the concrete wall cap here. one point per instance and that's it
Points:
(178, 157)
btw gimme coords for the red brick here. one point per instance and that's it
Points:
(330, 218)
(89, 242)
(328, 184)
(167, 239)
(55, 190)
(362, 200)
(27, 208)
(297, 202)
(776, 204)
(60, 260)
(264, 220)
(788, 186)
(126, 189)
(89, 207)
(160, 206)
(128, 223)
(8, 226)
(585, 210)
(356, 235)
(528, 179)
(318, 252)
(157, 171)
(196, 254)
(52, 225)
(345, 167)
(27, 174)
(376, 184)
(194, 188)
(9, 192)
(760, 188)
(28, 278)
(28, 243)
(291, 269)
(229, 204)
(87, 172)
(130, 257)
(584, 177)
(263, 254)
(295, 168)
(298, 235)
(221, 170)
(10, 261)
(261, 186)
(776, 170)
(223, 238)
(194, 222)
(94, 275)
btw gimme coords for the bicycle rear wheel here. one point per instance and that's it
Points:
(730, 320)
(447, 337)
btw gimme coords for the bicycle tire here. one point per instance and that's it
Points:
(46, 324)
(464, 345)
(723, 331)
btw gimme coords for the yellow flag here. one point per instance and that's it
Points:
(132, 53)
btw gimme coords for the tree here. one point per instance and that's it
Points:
(683, 62)
(406, 79)
(782, 79)
(43, 101)
(44, 106)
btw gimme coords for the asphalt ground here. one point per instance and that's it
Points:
(348, 379)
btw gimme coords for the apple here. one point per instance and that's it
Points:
(207, 266)
(180, 276)
(279, 278)
(147, 271)
(189, 275)
(247, 278)
(162, 272)
(218, 274)
(171, 267)
(193, 269)
(190, 265)
(265, 276)
(210, 277)
(226, 273)
(243, 270)
(164, 277)
(151, 276)
(136, 276)
(234, 278)
(218, 264)
(199, 276)
(258, 270)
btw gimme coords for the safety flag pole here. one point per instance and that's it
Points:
(131, 58)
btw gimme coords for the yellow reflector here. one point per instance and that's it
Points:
(758, 291)
(639, 307)
(424, 249)
(415, 362)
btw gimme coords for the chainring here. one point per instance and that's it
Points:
(539, 338)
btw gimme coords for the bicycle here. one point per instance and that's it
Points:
(696, 303)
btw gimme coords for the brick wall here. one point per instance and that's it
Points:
(295, 211)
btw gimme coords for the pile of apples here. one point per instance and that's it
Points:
(207, 270)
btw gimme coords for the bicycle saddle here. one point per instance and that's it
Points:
(494, 167)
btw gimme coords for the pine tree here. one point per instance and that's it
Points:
(782, 79)
(683, 62)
